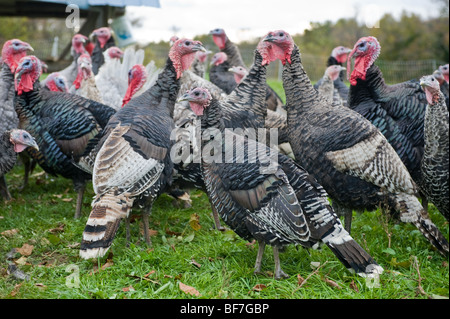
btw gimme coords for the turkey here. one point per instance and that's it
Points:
(77, 49)
(396, 110)
(244, 111)
(131, 163)
(443, 86)
(104, 41)
(346, 153)
(12, 142)
(219, 73)
(263, 195)
(199, 65)
(12, 51)
(55, 81)
(113, 79)
(62, 124)
(234, 58)
(435, 161)
(338, 57)
(111, 54)
(225, 45)
(84, 84)
(326, 87)
(239, 72)
(445, 72)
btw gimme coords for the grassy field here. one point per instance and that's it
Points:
(190, 259)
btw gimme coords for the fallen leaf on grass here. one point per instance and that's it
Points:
(259, 287)
(300, 279)
(58, 229)
(149, 273)
(194, 222)
(188, 289)
(195, 263)
(10, 232)
(129, 288)
(25, 250)
(354, 286)
(40, 285)
(21, 261)
(331, 283)
(67, 199)
(15, 290)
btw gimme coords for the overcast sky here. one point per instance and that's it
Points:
(244, 19)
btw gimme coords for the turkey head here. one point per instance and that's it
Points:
(239, 73)
(13, 50)
(198, 98)
(276, 45)
(28, 71)
(182, 54)
(103, 34)
(219, 37)
(84, 69)
(219, 58)
(444, 70)
(431, 87)
(78, 42)
(333, 71)
(114, 53)
(365, 52)
(21, 139)
(340, 53)
(136, 79)
(56, 82)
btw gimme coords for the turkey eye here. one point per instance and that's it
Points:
(432, 79)
(281, 34)
(187, 43)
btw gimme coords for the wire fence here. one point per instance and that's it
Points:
(393, 71)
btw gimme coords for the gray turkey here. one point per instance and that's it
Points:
(62, 124)
(326, 87)
(77, 49)
(104, 41)
(346, 153)
(55, 82)
(84, 84)
(263, 195)
(396, 110)
(12, 142)
(12, 51)
(219, 73)
(435, 161)
(443, 84)
(234, 58)
(131, 163)
(338, 57)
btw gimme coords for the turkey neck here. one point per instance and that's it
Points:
(7, 155)
(436, 125)
(6, 83)
(163, 93)
(252, 89)
(212, 116)
(234, 56)
(300, 94)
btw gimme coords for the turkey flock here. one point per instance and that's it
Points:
(138, 131)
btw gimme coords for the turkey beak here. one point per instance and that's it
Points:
(198, 47)
(33, 144)
(269, 38)
(184, 97)
(29, 47)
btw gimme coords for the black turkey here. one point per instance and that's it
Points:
(435, 161)
(346, 153)
(266, 196)
(12, 142)
(131, 163)
(63, 124)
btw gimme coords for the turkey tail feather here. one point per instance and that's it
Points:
(103, 223)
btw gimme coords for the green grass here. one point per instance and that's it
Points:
(43, 216)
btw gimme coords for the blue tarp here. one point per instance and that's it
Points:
(85, 4)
